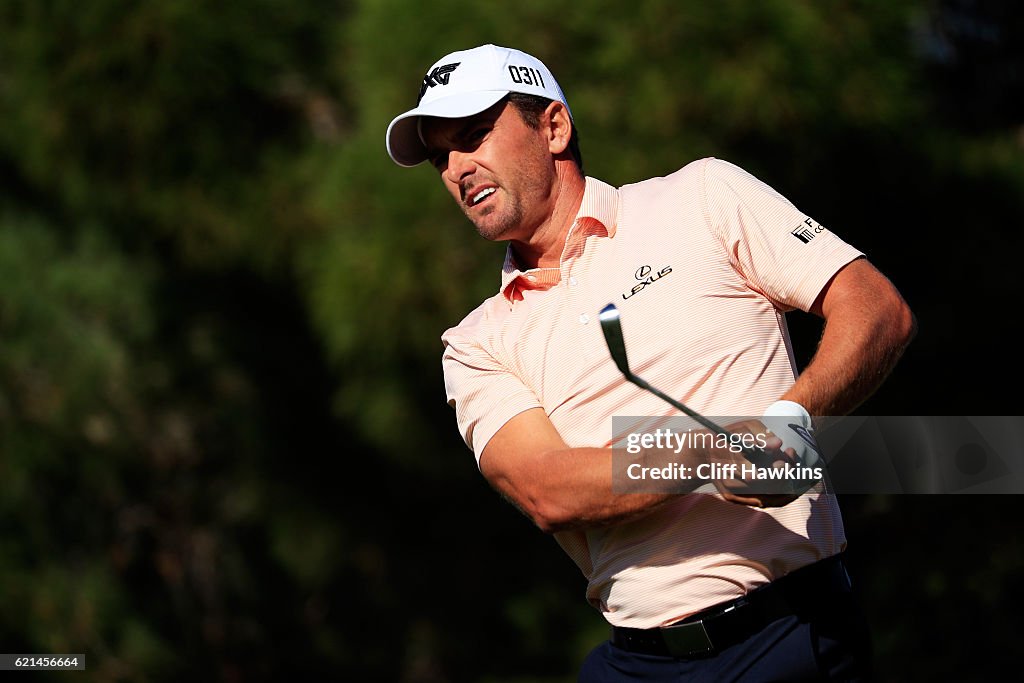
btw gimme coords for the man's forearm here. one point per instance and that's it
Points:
(576, 490)
(566, 488)
(556, 486)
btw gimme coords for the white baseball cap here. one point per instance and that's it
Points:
(465, 83)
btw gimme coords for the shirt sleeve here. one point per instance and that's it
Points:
(484, 392)
(780, 251)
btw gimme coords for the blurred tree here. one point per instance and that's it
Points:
(178, 117)
(973, 51)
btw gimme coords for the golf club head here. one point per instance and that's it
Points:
(612, 330)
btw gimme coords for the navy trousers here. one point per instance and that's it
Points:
(831, 644)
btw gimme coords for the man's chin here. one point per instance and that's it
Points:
(494, 232)
(493, 235)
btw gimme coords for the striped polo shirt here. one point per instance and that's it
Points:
(702, 265)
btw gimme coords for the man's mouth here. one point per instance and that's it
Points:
(479, 196)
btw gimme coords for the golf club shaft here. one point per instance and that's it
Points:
(756, 456)
(611, 327)
(676, 404)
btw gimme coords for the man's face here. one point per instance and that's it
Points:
(498, 169)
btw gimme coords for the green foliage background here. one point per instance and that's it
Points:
(224, 448)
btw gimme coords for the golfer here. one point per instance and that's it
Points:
(703, 264)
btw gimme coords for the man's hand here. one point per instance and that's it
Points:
(750, 491)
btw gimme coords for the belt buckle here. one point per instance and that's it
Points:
(691, 638)
(687, 640)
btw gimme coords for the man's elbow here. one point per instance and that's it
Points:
(543, 509)
(563, 514)
(903, 324)
(550, 516)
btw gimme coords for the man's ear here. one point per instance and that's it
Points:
(558, 127)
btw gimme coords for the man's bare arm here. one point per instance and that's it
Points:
(867, 327)
(556, 486)
(563, 488)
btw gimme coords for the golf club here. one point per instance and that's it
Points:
(611, 327)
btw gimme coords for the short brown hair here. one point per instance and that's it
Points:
(530, 108)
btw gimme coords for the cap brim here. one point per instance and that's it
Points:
(403, 139)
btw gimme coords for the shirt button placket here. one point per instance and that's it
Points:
(573, 282)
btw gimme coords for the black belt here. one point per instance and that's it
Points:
(708, 632)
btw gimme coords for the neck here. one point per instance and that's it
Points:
(543, 249)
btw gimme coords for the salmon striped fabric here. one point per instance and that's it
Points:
(702, 264)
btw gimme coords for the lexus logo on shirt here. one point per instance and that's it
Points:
(645, 276)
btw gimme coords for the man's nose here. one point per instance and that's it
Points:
(460, 164)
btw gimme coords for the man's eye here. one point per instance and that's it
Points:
(475, 135)
(439, 160)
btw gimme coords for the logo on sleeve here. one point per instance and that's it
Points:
(645, 277)
(438, 76)
(806, 435)
(806, 231)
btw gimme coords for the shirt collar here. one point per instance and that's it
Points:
(597, 216)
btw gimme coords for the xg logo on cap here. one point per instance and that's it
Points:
(438, 76)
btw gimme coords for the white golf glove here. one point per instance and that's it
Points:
(791, 422)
